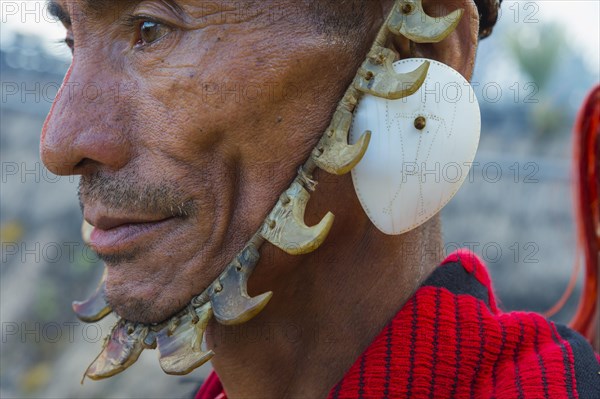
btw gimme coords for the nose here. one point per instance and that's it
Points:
(86, 124)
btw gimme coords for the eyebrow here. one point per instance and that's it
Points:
(58, 12)
(90, 7)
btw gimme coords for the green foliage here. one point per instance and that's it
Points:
(536, 49)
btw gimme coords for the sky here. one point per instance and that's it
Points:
(581, 19)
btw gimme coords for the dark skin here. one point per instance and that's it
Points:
(182, 172)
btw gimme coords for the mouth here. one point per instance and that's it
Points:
(114, 235)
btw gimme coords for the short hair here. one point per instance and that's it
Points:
(339, 18)
(488, 15)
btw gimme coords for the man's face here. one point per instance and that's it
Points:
(185, 119)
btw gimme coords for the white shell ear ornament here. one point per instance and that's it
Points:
(421, 149)
(381, 136)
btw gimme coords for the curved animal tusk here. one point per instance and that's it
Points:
(333, 154)
(410, 20)
(94, 308)
(285, 228)
(86, 232)
(377, 76)
(121, 349)
(229, 297)
(180, 345)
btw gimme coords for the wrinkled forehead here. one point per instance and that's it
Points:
(70, 11)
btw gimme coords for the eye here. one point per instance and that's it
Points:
(70, 43)
(69, 40)
(151, 31)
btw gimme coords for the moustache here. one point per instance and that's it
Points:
(127, 194)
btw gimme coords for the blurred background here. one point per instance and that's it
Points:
(515, 211)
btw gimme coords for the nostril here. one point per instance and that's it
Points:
(85, 167)
(82, 164)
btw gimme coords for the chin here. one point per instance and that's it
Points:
(147, 303)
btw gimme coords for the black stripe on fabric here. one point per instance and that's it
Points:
(540, 359)
(436, 333)
(361, 377)
(457, 351)
(388, 360)
(586, 366)
(516, 359)
(457, 280)
(413, 339)
(566, 364)
(481, 349)
(495, 370)
(337, 389)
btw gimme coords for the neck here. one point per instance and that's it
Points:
(327, 306)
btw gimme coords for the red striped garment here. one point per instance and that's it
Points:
(450, 340)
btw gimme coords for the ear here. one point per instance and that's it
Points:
(458, 50)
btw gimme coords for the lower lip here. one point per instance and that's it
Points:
(125, 237)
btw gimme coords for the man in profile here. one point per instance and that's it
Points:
(181, 167)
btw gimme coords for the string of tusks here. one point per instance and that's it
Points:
(179, 340)
(179, 344)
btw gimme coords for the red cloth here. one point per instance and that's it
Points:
(451, 341)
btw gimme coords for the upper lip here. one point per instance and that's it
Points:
(104, 221)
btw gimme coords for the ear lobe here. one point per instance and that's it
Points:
(458, 50)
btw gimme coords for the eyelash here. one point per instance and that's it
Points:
(134, 22)
(66, 42)
(131, 20)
